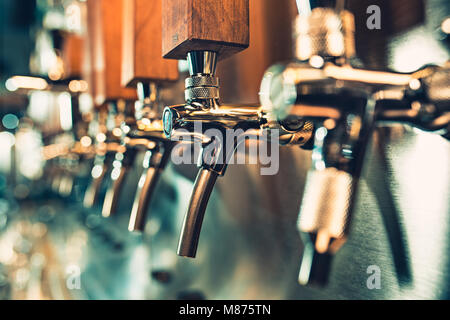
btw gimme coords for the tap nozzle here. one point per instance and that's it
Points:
(192, 224)
(98, 173)
(121, 166)
(154, 162)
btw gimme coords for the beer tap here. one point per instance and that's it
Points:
(149, 135)
(202, 94)
(111, 98)
(202, 108)
(424, 103)
(106, 148)
(344, 104)
(65, 80)
(142, 68)
(123, 159)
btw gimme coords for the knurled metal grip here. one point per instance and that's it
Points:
(201, 87)
(326, 203)
(325, 33)
(201, 81)
(201, 93)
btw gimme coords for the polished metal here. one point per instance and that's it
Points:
(148, 134)
(325, 33)
(102, 166)
(203, 107)
(344, 104)
(404, 183)
(192, 224)
(202, 85)
(154, 163)
(121, 166)
(202, 62)
(424, 103)
(324, 223)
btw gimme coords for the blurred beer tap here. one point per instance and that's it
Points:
(142, 68)
(322, 87)
(148, 134)
(65, 81)
(123, 158)
(344, 103)
(424, 103)
(107, 145)
(114, 102)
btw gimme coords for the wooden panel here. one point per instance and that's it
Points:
(271, 42)
(88, 68)
(106, 32)
(216, 25)
(400, 21)
(72, 56)
(142, 44)
(396, 17)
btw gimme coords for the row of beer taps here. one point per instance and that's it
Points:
(320, 102)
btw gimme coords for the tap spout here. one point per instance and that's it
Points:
(192, 224)
(118, 177)
(154, 163)
(99, 172)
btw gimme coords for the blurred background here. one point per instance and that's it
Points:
(51, 247)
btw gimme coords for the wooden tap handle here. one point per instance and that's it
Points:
(105, 31)
(72, 55)
(214, 25)
(142, 59)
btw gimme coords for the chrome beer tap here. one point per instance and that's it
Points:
(202, 95)
(202, 107)
(424, 103)
(148, 133)
(123, 159)
(107, 145)
(344, 104)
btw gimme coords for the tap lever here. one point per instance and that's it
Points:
(192, 224)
